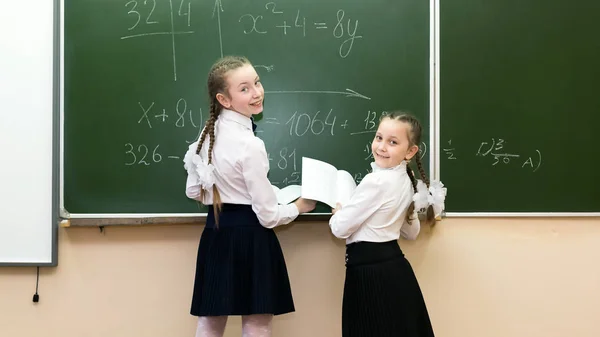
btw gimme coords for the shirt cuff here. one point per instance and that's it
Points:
(291, 212)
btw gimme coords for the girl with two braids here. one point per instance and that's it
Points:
(240, 267)
(381, 294)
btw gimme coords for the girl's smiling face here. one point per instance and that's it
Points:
(391, 144)
(245, 93)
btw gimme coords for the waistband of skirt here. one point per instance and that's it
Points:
(231, 216)
(359, 253)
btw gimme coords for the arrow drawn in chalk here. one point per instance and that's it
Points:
(269, 68)
(218, 8)
(347, 93)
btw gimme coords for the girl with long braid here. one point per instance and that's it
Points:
(381, 294)
(240, 268)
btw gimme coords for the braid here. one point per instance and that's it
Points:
(209, 130)
(415, 139)
(216, 195)
(411, 175)
(217, 84)
(209, 123)
(421, 170)
(211, 142)
(411, 208)
(430, 214)
(201, 140)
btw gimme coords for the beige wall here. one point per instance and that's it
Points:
(480, 277)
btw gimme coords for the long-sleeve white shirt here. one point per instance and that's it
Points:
(376, 211)
(241, 167)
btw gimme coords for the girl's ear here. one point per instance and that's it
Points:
(411, 152)
(224, 100)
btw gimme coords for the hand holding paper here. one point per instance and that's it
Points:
(287, 194)
(323, 182)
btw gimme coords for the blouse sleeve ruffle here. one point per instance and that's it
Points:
(197, 166)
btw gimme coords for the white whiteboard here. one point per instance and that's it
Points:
(28, 134)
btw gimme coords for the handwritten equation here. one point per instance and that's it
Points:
(142, 13)
(178, 114)
(284, 161)
(494, 148)
(298, 123)
(341, 28)
(170, 18)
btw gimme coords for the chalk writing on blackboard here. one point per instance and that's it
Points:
(449, 151)
(143, 17)
(141, 155)
(254, 20)
(422, 151)
(338, 32)
(272, 5)
(134, 12)
(315, 124)
(185, 11)
(287, 158)
(179, 114)
(218, 9)
(347, 93)
(269, 68)
(495, 148)
(345, 30)
(370, 122)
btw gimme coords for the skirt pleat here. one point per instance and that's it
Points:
(240, 268)
(382, 297)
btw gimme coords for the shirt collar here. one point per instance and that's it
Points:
(236, 117)
(401, 167)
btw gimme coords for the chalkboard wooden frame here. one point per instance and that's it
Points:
(103, 219)
(434, 159)
(437, 148)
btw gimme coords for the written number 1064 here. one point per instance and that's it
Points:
(301, 124)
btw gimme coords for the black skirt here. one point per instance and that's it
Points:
(240, 269)
(382, 297)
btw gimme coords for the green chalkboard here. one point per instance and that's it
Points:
(135, 94)
(520, 105)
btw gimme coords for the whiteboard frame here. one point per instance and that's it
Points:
(56, 130)
(56, 126)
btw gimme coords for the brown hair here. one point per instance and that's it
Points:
(414, 138)
(217, 84)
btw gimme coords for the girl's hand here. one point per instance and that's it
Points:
(305, 205)
(337, 208)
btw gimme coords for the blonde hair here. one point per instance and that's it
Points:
(217, 84)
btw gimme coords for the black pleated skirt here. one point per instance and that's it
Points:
(240, 269)
(382, 297)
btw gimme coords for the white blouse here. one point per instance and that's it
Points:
(240, 171)
(376, 211)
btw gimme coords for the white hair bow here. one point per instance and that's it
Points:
(438, 195)
(434, 196)
(199, 168)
